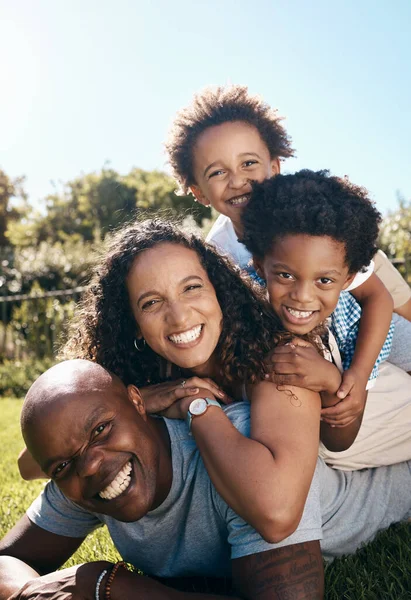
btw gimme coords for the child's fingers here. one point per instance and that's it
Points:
(338, 411)
(284, 368)
(340, 423)
(344, 389)
(283, 379)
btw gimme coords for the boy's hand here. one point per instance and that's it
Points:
(299, 363)
(353, 396)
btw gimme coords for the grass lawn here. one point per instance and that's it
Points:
(382, 571)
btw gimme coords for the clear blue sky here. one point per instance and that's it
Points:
(87, 81)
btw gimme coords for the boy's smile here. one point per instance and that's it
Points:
(305, 275)
(226, 159)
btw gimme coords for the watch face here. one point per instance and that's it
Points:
(198, 406)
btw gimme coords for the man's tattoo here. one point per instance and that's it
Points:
(289, 573)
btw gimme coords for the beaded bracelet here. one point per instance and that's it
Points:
(111, 578)
(98, 584)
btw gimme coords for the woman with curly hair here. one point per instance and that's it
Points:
(164, 304)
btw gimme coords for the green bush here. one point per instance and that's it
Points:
(17, 376)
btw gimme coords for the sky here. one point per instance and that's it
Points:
(88, 82)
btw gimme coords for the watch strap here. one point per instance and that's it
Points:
(189, 417)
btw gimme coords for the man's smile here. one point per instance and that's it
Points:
(119, 484)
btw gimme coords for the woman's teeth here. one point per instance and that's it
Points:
(300, 314)
(186, 336)
(118, 485)
(239, 200)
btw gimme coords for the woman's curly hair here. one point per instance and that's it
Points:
(215, 106)
(316, 204)
(105, 328)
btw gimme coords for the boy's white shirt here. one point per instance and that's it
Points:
(223, 236)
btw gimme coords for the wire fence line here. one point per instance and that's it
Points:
(31, 325)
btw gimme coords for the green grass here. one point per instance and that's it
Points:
(16, 494)
(381, 571)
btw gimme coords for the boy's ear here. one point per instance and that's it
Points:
(348, 281)
(275, 166)
(258, 266)
(137, 401)
(198, 195)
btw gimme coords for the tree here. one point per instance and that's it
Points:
(395, 231)
(10, 189)
(91, 205)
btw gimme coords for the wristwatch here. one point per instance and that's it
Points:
(198, 407)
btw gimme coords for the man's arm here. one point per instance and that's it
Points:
(38, 548)
(294, 571)
(30, 555)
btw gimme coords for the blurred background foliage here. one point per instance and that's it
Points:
(51, 246)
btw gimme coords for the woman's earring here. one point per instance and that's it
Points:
(137, 347)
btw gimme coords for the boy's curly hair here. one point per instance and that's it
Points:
(312, 203)
(214, 106)
(105, 328)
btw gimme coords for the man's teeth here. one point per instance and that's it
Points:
(186, 336)
(300, 314)
(239, 200)
(118, 485)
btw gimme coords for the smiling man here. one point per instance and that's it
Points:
(143, 477)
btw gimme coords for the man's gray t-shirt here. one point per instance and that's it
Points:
(194, 532)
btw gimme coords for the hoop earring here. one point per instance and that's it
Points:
(137, 346)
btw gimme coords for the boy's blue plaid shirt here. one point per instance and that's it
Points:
(345, 322)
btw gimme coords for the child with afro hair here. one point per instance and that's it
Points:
(309, 233)
(222, 142)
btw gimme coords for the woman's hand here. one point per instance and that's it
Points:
(299, 363)
(179, 409)
(161, 396)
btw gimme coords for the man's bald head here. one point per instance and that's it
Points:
(68, 379)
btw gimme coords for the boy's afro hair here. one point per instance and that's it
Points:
(215, 106)
(312, 203)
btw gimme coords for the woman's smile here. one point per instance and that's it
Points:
(187, 339)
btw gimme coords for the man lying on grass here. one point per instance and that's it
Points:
(142, 476)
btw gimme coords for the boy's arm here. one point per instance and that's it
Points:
(377, 305)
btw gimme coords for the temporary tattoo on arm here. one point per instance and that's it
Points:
(289, 573)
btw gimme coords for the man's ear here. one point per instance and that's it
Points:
(137, 401)
(258, 266)
(275, 166)
(198, 195)
(348, 281)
